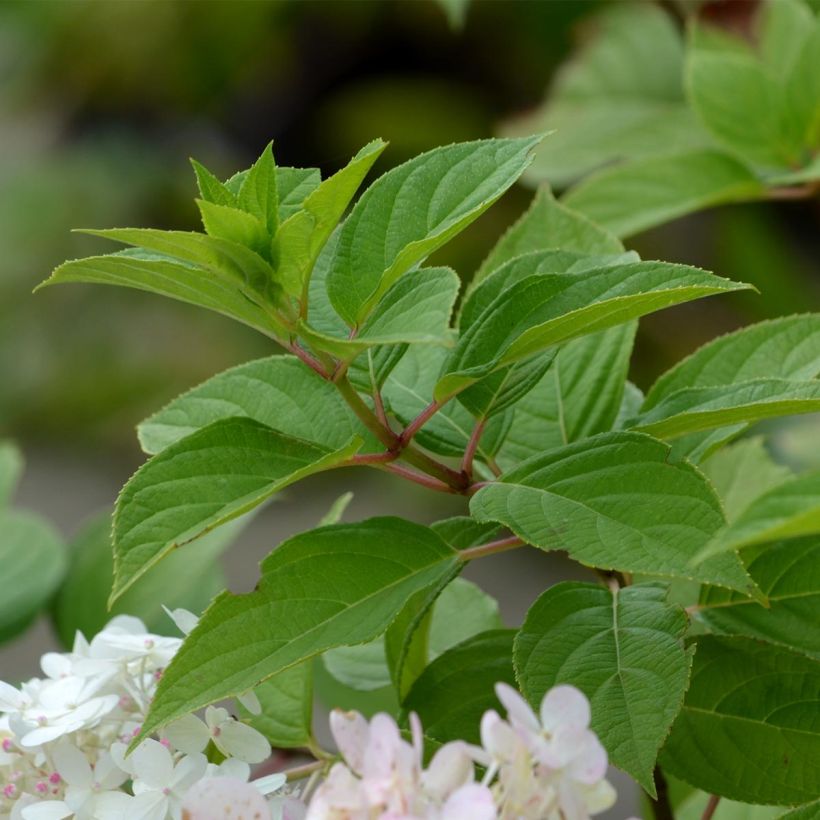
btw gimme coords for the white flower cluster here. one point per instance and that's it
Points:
(548, 769)
(63, 738)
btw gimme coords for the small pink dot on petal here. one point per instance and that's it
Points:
(54, 778)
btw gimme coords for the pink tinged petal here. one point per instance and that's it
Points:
(450, 768)
(73, 766)
(417, 734)
(219, 797)
(567, 744)
(243, 742)
(383, 748)
(498, 737)
(340, 792)
(152, 764)
(519, 712)
(231, 768)
(470, 802)
(216, 715)
(288, 808)
(591, 763)
(188, 734)
(55, 665)
(564, 706)
(47, 810)
(351, 732)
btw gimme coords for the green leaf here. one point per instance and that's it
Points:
(278, 391)
(203, 481)
(741, 473)
(258, 194)
(210, 188)
(544, 309)
(748, 728)
(788, 510)
(415, 310)
(34, 561)
(788, 574)
(455, 690)
(287, 707)
(187, 579)
(337, 510)
(324, 588)
(11, 468)
(167, 277)
(409, 389)
(414, 209)
(233, 225)
(697, 409)
(578, 397)
(624, 650)
(807, 812)
(362, 667)
(463, 532)
(547, 224)
(639, 195)
(615, 501)
(294, 185)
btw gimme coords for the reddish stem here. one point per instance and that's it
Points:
(493, 548)
(711, 806)
(419, 478)
(472, 446)
(419, 421)
(312, 363)
(379, 405)
(373, 458)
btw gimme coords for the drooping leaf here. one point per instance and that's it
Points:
(203, 481)
(741, 473)
(455, 690)
(578, 397)
(695, 409)
(748, 728)
(324, 588)
(34, 560)
(278, 391)
(415, 310)
(639, 195)
(186, 579)
(624, 650)
(11, 468)
(543, 310)
(615, 501)
(788, 574)
(414, 209)
(287, 707)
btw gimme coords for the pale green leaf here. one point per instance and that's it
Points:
(203, 481)
(788, 574)
(624, 650)
(544, 309)
(258, 195)
(337, 510)
(233, 225)
(414, 209)
(34, 560)
(696, 409)
(324, 588)
(463, 532)
(278, 391)
(210, 188)
(639, 195)
(294, 185)
(615, 501)
(748, 729)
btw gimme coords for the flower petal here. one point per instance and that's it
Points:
(188, 734)
(72, 765)
(470, 802)
(152, 764)
(219, 797)
(47, 810)
(564, 706)
(350, 731)
(239, 740)
(450, 768)
(519, 712)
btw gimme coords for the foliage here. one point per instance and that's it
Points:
(526, 385)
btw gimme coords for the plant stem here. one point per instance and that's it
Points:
(494, 547)
(711, 806)
(420, 478)
(419, 421)
(366, 415)
(661, 806)
(379, 405)
(435, 468)
(472, 446)
(312, 363)
(301, 772)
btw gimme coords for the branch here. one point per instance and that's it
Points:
(420, 478)
(714, 799)
(472, 446)
(366, 415)
(493, 548)
(309, 360)
(419, 421)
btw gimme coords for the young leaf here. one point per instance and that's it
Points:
(258, 195)
(788, 574)
(578, 397)
(414, 209)
(210, 188)
(455, 690)
(203, 481)
(33, 559)
(233, 225)
(329, 587)
(624, 650)
(187, 579)
(11, 468)
(278, 391)
(287, 707)
(741, 473)
(294, 185)
(415, 310)
(788, 510)
(639, 195)
(748, 728)
(696, 409)
(547, 224)
(544, 309)
(160, 274)
(615, 501)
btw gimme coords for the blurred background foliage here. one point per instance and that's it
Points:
(103, 102)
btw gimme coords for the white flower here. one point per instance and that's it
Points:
(232, 738)
(219, 797)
